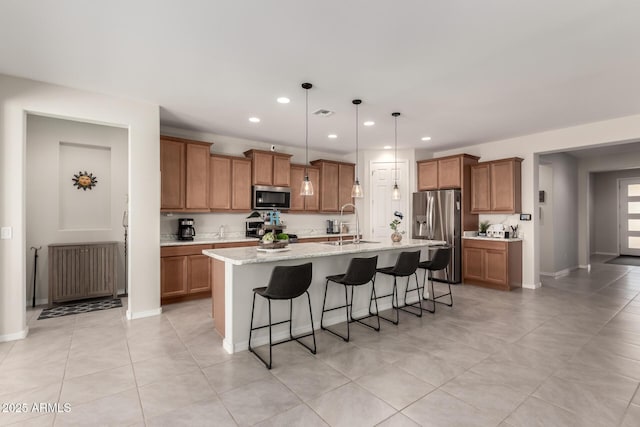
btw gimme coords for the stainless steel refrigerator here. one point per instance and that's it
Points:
(437, 216)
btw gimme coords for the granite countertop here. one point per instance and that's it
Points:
(251, 255)
(208, 240)
(494, 239)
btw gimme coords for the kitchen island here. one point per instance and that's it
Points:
(236, 271)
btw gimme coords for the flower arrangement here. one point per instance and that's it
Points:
(396, 222)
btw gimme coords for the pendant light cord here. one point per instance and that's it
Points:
(357, 105)
(306, 134)
(395, 156)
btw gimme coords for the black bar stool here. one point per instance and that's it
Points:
(439, 261)
(406, 265)
(360, 272)
(286, 283)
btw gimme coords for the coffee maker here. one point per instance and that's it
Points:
(186, 230)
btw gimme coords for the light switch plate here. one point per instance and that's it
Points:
(5, 233)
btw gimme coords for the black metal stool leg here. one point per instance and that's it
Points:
(425, 286)
(394, 307)
(253, 306)
(419, 302)
(346, 306)
(312, 333)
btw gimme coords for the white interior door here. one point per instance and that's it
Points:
(383, 175)
(629, 209)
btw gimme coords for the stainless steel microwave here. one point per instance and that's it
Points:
(266, 197)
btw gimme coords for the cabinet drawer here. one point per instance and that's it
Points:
(485, 244)
(166, 251)
(235, 245)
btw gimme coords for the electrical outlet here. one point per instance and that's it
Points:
(6, 233)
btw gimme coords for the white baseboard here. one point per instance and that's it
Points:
(605, 253)
(142, 314)
(560, 273)
(42, 301)
(15, 336)
(532, 285)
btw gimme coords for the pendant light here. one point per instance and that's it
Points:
(395, 194)
(356, 190)
(307, 186)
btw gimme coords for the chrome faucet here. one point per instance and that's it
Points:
(356, 237)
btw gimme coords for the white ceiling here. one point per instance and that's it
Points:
(460, 71)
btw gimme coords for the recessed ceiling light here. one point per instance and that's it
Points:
(369, 123)
(254, 120)
(284, 100)
(332, 136)
(387, 147)
(426, 138)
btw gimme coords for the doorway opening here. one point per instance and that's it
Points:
(76, 192)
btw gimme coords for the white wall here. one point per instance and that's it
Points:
(528, 147)
(545, 216)
(563, 199)
(58, 212)
(605, 219)
(18, 97)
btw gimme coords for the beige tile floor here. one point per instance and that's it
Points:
(566, 354)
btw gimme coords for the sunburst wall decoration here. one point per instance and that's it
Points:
(84, 180)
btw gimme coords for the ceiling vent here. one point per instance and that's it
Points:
(322, 112)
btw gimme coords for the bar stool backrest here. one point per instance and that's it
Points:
(407, 263)
(440, 259)
(360, 271)
(288, 282)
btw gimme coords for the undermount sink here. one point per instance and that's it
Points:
(347, 242)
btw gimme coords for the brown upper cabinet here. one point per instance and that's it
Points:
(184, 167)
(230, 188)
(336, 181)
(269, 168)
(444, 172)
(496, 186)
(304, 203)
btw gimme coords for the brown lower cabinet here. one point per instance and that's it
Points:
(185, 273)
(492, 264)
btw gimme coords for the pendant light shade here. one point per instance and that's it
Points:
(306, 189)
(356, 190)
(395, 194)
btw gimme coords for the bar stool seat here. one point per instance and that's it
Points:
(360, 272)
(439, 261)
(286, 283)
(406, 266)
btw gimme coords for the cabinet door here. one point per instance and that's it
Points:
(450, 173)
(66, 277)
(99, 263)
(495, 266)
(428, 175)
(312, 203)
(241, 184)
(220, 188)
(197, 184)
(346, 179)
(173, 276)
(473, 263)
(329, 188)
(502, 187)
(281, 173)
(199, 272)
(297, 201)
(172, 164)
(480, 188)
(262, 169)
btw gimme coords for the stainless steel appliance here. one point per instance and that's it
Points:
(437, 216)
(186, 230)
(266, 197)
